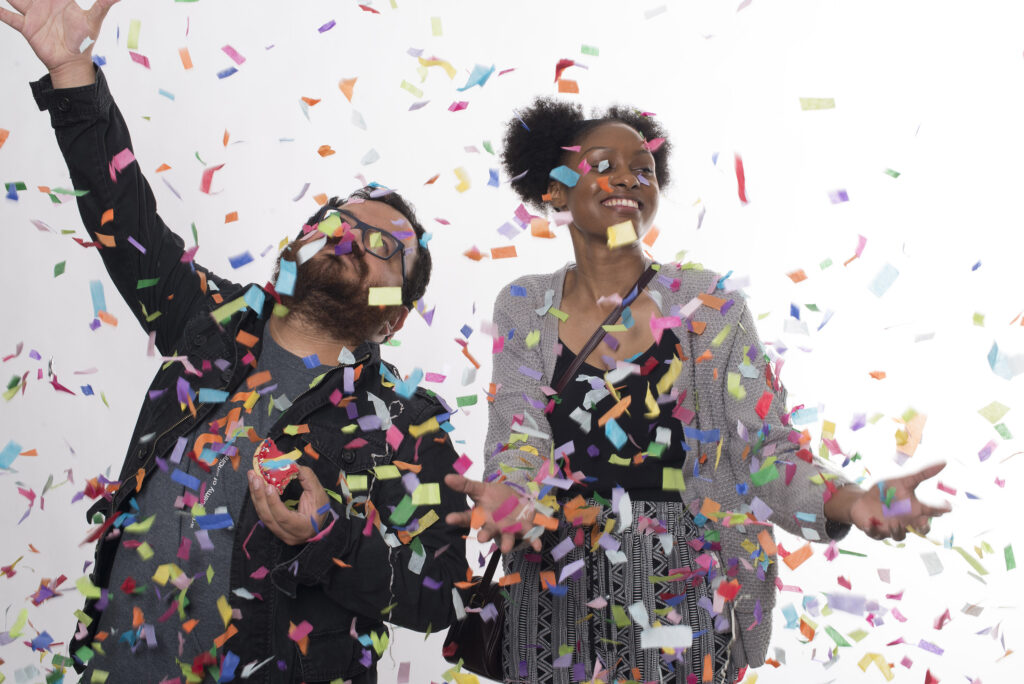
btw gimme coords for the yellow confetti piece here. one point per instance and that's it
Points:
(386, 472)
(463, 177)
(435, 26)
(86, 588)
(99, 677)
(735, 388)
(813, 103)
(424, 428)
(410, 88)
(226, 311)
(134, 28)
(224, 608)
(426, 521)
(19, 624)
(532, 339)
(385, 296)
(879, 661)
(621, 234)
(141, 527)
(721, 336)
(357, 483)
(971, 560)
(672, 479)
(145, 551)
(666, 381)
(448, 68)
(427, 494)
(330, 225)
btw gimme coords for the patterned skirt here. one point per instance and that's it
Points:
(661, 577)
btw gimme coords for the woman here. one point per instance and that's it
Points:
(660, 466)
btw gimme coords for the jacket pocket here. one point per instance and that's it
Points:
(330, 655)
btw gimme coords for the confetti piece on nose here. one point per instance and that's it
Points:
(563, 174)
(621, 234)
(385, 296)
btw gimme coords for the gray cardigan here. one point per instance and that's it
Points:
(792, 496)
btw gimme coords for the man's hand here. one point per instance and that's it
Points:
(291, 527)
(61, 35)
(490, 497)
(888, 508)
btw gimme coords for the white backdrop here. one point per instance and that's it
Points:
(929, 90)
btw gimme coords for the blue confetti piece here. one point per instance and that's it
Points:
(806, 517)
(794, 311)
(742, 488)
(214, 521)
(884, 280)
(99, 60)
(12, 192)
(614, 433)
(185, 480)
(87, 390)
(228, 667)
(168, 95)
(240, 260)
(478, 77)
(311, 361)
(563, 174)
(285, 284)
(466, 331)
(9, 453)
(407, 388)
(227, 72)
(709, 436)
(99, 302)
(976, 266)
(212, 396)
(255, 297)
(493, 180)
(792, 619)
(517, 291)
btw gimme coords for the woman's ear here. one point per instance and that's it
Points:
(557, 192)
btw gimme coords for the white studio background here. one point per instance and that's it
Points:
(931, 90)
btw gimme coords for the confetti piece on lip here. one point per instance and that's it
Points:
(233, 54)
(327, 27)
(139, 59)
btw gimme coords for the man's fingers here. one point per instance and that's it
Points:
(459, 519)
(15, 21)
(309, 481)
(920, 476)
(464, 485)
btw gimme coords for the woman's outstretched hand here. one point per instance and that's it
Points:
(61, 34)
(887, 509)
(490, 499)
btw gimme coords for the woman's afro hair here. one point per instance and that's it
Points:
(535, 136)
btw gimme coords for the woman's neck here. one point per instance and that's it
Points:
(600, 270)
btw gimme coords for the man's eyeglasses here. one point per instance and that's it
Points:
(376, 241)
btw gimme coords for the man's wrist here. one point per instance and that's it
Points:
(839, 506)
(76, 74)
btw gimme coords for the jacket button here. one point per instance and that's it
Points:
(64, 104)
(199, 340)
(348, 456)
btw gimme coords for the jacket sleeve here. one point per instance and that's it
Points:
(367, 565)
(518, 434)
(764, 451)
(143, 257)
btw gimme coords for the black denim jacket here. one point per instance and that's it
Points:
(303, 582)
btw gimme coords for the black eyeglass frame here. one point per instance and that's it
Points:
(366, 229)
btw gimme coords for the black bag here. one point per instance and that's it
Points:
(476, 642)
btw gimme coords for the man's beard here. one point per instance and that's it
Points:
(331, 301)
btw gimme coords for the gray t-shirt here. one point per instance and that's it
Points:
(176, 537)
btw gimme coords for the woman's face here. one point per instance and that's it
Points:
(620, 185)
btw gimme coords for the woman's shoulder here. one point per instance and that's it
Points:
(529, 288)
(686, 281)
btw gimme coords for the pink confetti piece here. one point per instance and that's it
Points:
(207, 180)
(233, 54)
(300, 631)
(120, 160)
(458, 106)
(653, 145)
(462, 464)
(139, 59)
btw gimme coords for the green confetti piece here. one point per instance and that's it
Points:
(403, 511)
(735, 388)
(468, 400)
(979, 319)
(836, 636)
(825, 264)
(532, 339)
(1011, 563)
(226, 311)
(59, 269)
(721, 336)
(971, 560)
(134, 28)
(812, 307)
(590, 50)
(858, 634)
(560, 315)
(894, 174)
(853, 553)
(200, 158)
(488, 146)
(146, 282)
(73, 193)
(410, 88)
(672, 479)
(619, 616)
(195, 234)
(994, 412)
(1004, 431)
(18, 185)
(815, 103)
(767, 473)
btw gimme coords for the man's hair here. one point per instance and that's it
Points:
(418, 276)
(535, 136)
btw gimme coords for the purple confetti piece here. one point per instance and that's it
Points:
(431, 583)
(900, 507)
(326, 27)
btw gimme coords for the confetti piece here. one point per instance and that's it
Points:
(231, 217)
(815, 103)
(563, 174)
(385, 296)
(186, 58)
(139, 59)
(463, 177)
(410, 88)
(233, 54)
(620, 234)
(590, 50)
(797, 276)
(883, 280)
(134, 27)
(347, 86)
(207, 178)
(994, 412)
(4, 134)
(566, 85)
(326, 27)
(503, 252)
(435, 26)
(741, 179)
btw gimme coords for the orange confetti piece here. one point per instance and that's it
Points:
(602, 181)
(615, 411)
(548, 579)
(106, 240)
(247, 339)
(797, 275)
(709, 671)
(432, 179)
(340, 563)
(320, 199)
(139, 477)
(162, 168)
(706, 356)
(107, 217)
(796, 559)
(137, 617)
(189, 625)
(540, 228)
(33, 549)
(651, 235)
(325, 151)
(45, 189)
(477, 518)
(310, 101)
(227, 136)
(698, 327)
(231, 217)
(311, 452)
(186, 58)
(503, 252)
(506, 580)
(4, 134)
(411, 467)
(107, 318)
(877, 375)
(712, 301)
(473, 253)
(257, 379)
(228, 633)
(545, 521)
(546, 197)
(566, 85)
(764, 538)
(710, 508)
(346, 85)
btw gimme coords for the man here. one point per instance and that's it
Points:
(203, 570)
